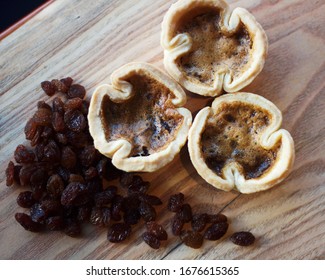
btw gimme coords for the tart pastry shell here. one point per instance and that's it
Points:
(232, 176)
(121, 90)
(177, 43)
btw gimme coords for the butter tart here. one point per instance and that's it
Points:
(237, 143)
(137, 120)
(208, 48)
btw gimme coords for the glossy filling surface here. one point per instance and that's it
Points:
(214, 49)
(232, 135)
(148, 120)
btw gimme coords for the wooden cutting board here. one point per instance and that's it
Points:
(87, 40)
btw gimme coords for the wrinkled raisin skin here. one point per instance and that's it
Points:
(243, 238)
(216, 231)
(175, 202)
(118, 232)
(151, 240)
(192, 239)
(27, 223)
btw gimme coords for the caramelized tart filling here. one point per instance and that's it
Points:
(214, 49)
(148, 120)
(232, 135)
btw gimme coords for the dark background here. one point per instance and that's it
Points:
(12, 11)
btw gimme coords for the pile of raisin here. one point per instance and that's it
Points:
(67, 181)
(203, 226)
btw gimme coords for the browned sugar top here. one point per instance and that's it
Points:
(148, 120)
(214, 49)
(232, 134)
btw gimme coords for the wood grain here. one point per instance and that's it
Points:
(87, 40)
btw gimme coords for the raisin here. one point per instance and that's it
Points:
(177, 226)
(216, 231)
(185, 213)
(90, 173)
(151, 240)
(218, 218)
(55, 186)
(147, 211)
(59, 86)
(88, 156)
(76, 90)
(23, 155)
(58, 105)
(116, 208)
(243, 238)
(61, 138)
(77, 139)
(112, 172)
(25, 174)
(25, 199)
(68, 157)
(43, 117)
(58, 122)
(67, 81)
(118, 232)
(43, 105)
(52, 152)
(51, 207)
(54, 223)
(126, 179)
(100, 216)
(157, 230)
(47, 133)
(73, 104)
(192, 239)
(106, 196)
(175, 202)
(199, 221)
(48, 88)
(84, 107)
(30, 129)
(38, 178)
(27, 223)
(76, 178)
(138, 187)
(37, 213)
(17, 169)
(10, 173)
(75, 120)
(74, 194)
(37, 137)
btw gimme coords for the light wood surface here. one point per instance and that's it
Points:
(87, 40)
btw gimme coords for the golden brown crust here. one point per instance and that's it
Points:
(117, 142)
(221, 70)
(267, 134)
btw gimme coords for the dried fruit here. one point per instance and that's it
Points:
(175, 202)
(243, 238)
(54, 223)
(76, 90)
(27, 223)
(25, 199)
(24, 155)
(68, 157)
(147, 211)
(216, 231)
(199, 221)
(48, 88)
(75, 120)
(192, 239)
(100, 216)
(156, 230)
(177, 226)
(185, 213)
(43, 116)
(74, 194)
(118, 232)
(151, 240)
